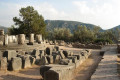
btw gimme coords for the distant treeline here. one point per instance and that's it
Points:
(31, 22)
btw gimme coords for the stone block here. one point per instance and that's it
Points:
(43, 61)
(3, 64)
(36, 53)
(56, 58)
(66, 53)
(9, 54)
(26, 62)
(1, 54)
(102, 53)
(6, 40)
(56, 48)
(43, 69)
(1, 31)
(73, 58)
(38, 38)
(65, 61)
(61, 54)
(31, 39)
(50, 59)
(49, 50)
(15, 64)
(59, 72)
(32, 60)
(21, 39)
(42, 53)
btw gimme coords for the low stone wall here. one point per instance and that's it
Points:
(63, 70)
(88, 46)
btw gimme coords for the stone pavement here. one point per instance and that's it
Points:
(107, 68)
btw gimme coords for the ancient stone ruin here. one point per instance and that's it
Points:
(20, 52)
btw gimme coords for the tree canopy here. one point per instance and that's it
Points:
(29, 22)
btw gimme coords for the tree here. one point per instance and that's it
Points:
(29, 22)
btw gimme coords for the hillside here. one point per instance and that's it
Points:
(72, 25)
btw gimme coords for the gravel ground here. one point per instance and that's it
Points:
(24, 74)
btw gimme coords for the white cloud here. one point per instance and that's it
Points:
(104, 13)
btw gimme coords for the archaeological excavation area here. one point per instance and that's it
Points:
(34, 58)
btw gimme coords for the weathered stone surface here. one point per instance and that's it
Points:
(50, 59)
(3, 64)
(6, 40)
(65, 61)
(58, 72)
(39, 38)
(1, 39)
(1, 31)
(78, 56)
(42, 53)
(9, 54)
(21, 39)
(15, 64)
(1, 54)
(26, 62)
(102, 53)
(32, 60)
(74, 58)
(61, 54)
(66, 53)
(31, 39)
(56, 48)
(56, 58)
(12, 39)
(36, 53)
(49, 50)
(1, 43)
(43, 61)
(43, 69)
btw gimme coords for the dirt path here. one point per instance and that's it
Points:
(24, 74)
(86, 69)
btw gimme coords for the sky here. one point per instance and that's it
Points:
(103, 13)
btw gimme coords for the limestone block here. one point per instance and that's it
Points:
(32, 60)
(42, 53)
(43, 69)
(56, 58)
(61, 54)
(26, 62)
(31, 39)
(21, 39)
(65, 61)
(36, 53)
(39, 38)
(73, 58)
(43, 61)
(58, 72)
(6, 40)
(1, 31)
(15, 64)
(66, 53)
(56, 48)
(3, 64)
(50, 59)
(9, 54)
(1, 54)
(49, 50)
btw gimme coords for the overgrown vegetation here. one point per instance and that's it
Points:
(83, 35)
